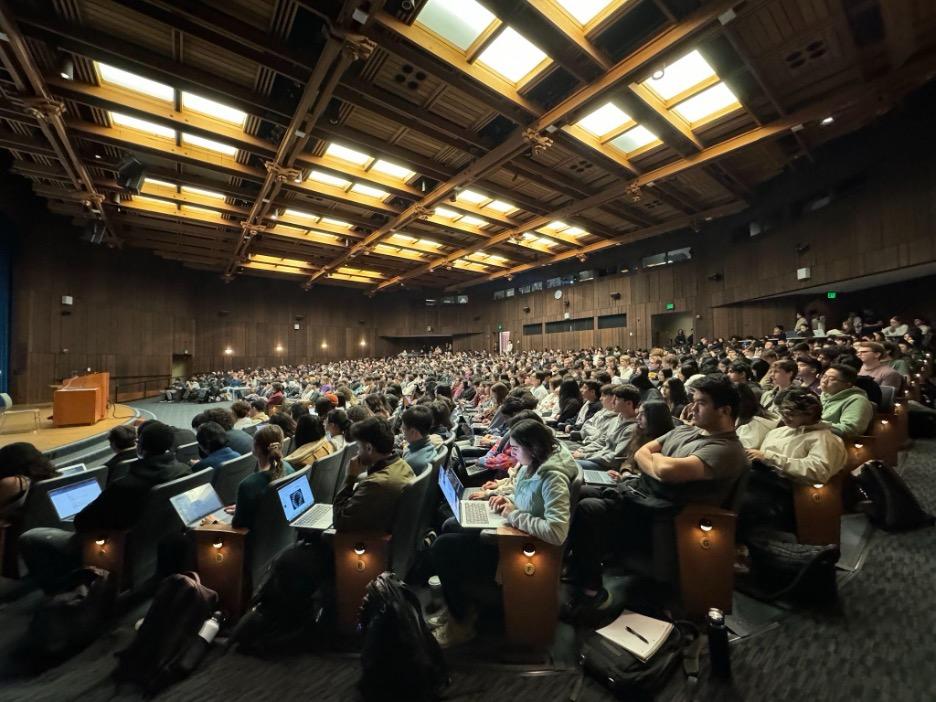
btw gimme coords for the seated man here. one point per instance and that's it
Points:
(212, 447)
(609, 453)
(241, 409)
(700, 462)
(591, 394)
(804, 450)
(122, 440)
(596, 427)
(417, 425)
(52, 553)
(808, 372)
(845, 408)
(257, 412)
(237, 439)
(870, 353)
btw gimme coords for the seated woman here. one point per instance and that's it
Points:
(549, 405)
(21, 464)
(212, 447)
(782, 373)
(311, 442)
(674, 395)
(753, 421)
(570, 402)
(539, 505)
(337, 425)
(803, 450)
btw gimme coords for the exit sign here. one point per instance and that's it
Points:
(670, 306)
(832, 295)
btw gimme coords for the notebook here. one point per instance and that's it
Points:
(640, 635)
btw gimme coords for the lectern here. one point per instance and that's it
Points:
(81, 400)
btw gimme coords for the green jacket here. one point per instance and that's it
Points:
(848, 412)
(543, 499)
(371, 506)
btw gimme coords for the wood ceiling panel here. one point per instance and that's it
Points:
(109, 18)
(208, 57)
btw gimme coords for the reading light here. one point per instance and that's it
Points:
(859, 445)
(705, 524)
(100, 542)
(827, 121)
(218, 544)
(360, 549)
(818, 485)
(885, 421)
(529, 550)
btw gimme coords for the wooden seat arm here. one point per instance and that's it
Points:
(105, 549)
(705, 547)
(818, 510)
(360, 556)
(220, 552)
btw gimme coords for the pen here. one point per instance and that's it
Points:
(631, 631)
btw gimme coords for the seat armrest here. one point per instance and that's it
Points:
(859, 449)
(705, 547)
(360, 556)
(220, 554)
(105, 549)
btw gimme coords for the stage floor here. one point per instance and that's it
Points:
(20, 427)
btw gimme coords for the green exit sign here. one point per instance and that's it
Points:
(832, 295)
(670, 306)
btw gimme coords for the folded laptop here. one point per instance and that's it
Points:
(471, 514)
(69, 500)
(300, 508)
(598, 477)
(201, 501)
(71, 470)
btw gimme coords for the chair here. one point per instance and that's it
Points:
(131, 555)
(818, 510)
(121, 469)
(186, 452)
(229, 475)
(888, 398)
(37, 511)
(885, 428)
(350, 453)
(324, 476)
(251, 429)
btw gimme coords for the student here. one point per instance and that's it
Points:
(548, 406)
(808, 372)
(257, 412)
(21, 464)
(337, 425)
(570, 401)
(753, 421)
(699, 463)
(285, 422)
(538, 505)
(537, 385)
(212, 446)
(846, 408)
(122, 440)
(310, 442)
(674, 395)
(241, 409)
(870, 355)
(609, 453)
(268, 449)
(417, 425)
(591, 398)
(782, 374)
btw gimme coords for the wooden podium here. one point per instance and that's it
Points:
(81, 400)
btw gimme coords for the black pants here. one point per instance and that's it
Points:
(460, 559)
(767, 503)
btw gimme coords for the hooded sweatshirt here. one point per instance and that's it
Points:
(543, 499)
(848, 412)
(809, 454)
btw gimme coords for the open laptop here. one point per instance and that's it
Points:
(471, 514)
(598, 477)
(72, 469)
(69, 500)
(197, 503)
(300, 508)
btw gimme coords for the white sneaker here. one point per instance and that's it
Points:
(438, 619)
(454, 632)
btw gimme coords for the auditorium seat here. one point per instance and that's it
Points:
(186, 452)
(818, 510)
(230, 474)
(324, 476)
(131, 555)
(37, 511)
(121, 469)
(251, 429)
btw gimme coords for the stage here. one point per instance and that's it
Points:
(19, 427)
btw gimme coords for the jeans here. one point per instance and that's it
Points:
(460, 559)
(585, 464)
(50, 554)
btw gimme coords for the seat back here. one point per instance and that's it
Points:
(229, 475)
(251, 429)
(121, 470)
(38, 510)
(270, 533)
(350, 452)
(157, 521)
(324, 476)
(410, 521)
(287, 445)
(888, 398)
(186, 452)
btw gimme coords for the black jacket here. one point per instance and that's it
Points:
(121, 503)
(240, 441)
(125, 455)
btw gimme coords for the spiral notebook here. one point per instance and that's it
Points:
(640, 635)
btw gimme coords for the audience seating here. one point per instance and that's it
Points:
(121, 469)
(350, 452)
(229, 475)
(324, 476)
(131, 555)
(186, 452)
(37, 511)
(252, 429)
(818, 510)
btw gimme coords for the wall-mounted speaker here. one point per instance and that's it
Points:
(526, 309)
(715, 277)
(130, 174)
(615, 296)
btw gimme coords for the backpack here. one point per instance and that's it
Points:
(627, 676)
(155, 658)
(74, 615)
(891, 504)
(781, 568)
(400, 658)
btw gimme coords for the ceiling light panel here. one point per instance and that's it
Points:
(329, 179)
(208, 144)
(472, 197)
(343, 153)
(634, 139)
(459, 22)
(584, 11)
(605, 119)
(369, 191)
(140, 125)
(715, 99)
(681, 75)
(511, 55)
(204, 106)
(138, 84)
(392, 170)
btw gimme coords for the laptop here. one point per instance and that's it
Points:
(471, 514)
(72, 470)
(598, 477)
(197, 503)
(69, 500)
(300, 508)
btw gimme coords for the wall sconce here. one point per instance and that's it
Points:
(858, 446)
(529, 550)
(279, 348)
(228, 351)
(218, 544)
(324, 344)
(706, 525)
(885, 421)
(100, 542)
(360, 549)
(818, 486)
(363, 343)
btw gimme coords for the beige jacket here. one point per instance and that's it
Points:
(810, 454)
(751, 435)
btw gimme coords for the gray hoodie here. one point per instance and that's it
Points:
(543, 499)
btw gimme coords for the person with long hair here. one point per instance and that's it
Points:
(337, 425)
(268, 449)
(538, 505)
(21, 464)
(674, 395)
(570, 401)
(654, 419)
(310, 441)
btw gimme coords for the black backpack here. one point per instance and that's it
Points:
(156, 658)
(891, 505)
(74, 615)
(783, 569)
(400, 658)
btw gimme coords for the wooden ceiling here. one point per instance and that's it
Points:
(378, 144)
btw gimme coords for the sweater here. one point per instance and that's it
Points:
(809, 454)
(249, 493)
(371, 506)
(419, 455)
(542, 500)
(215, 459)
(309, 453)
(848, 412)
(595, 428)
(751, 435)
(613, 449)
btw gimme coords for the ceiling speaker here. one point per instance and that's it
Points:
(130, 174)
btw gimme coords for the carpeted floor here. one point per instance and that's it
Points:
(876, 645)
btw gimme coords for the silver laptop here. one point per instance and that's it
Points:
(300, 508)
(598, 477)
(471, 514)
(197, 503)
(71, 470)
(69, 500)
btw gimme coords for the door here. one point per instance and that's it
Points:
(664, 327)
(181, 365)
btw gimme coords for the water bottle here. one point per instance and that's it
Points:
(197, 650)
(210, 628)
(718, 644)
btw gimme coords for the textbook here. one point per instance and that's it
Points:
(640, 635)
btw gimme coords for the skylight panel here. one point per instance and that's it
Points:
(429, 242)
(706, 103)
(369, 191)
(603, 120)
(329, 179)
(336, 222)
(584, 11)
(511, 55)
(140, 125)
(138, 84)
(634, 139)
(575, 231)
(209, 144)
(196, 103)
(158, 183)
(460, 22)
(194, 209)
(154, 201)
(500, 206)
(681, 75)
(446, 213)
(392, 170)
(204, 193)
(474, 221)
(299, 214)
(343, 153)
(556, 226)
(472, 197)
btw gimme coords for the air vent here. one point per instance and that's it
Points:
(807, 56)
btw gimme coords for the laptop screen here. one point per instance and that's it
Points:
(296, 497)
(71, 470)
(449, 491)
(196, 503)
(71, 499)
